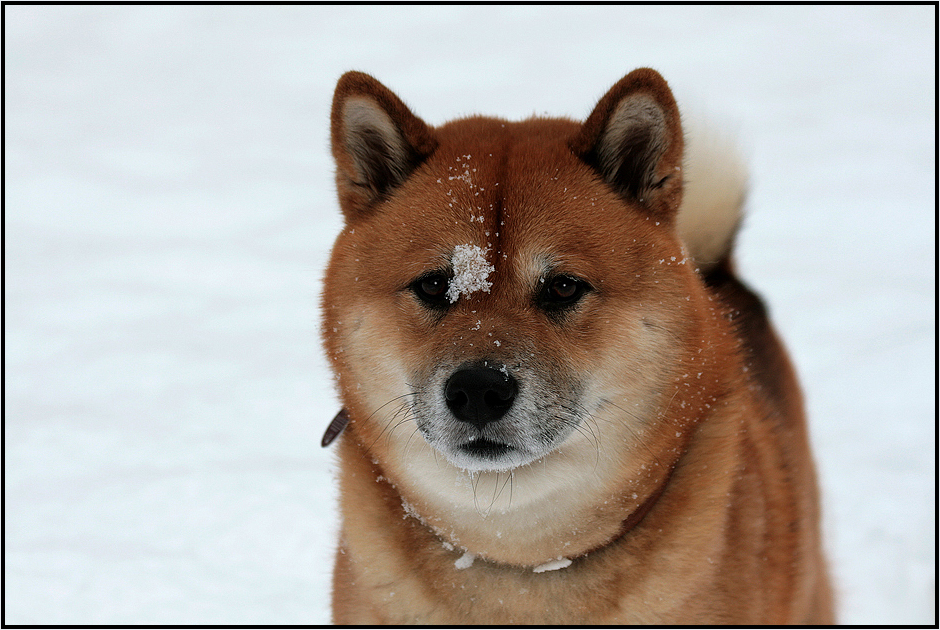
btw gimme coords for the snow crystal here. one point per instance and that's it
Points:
(554, 565)
(411, 511)
(464, 561)
(470, 272)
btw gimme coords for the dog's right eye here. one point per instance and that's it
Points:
(560, 292)
(432, 289)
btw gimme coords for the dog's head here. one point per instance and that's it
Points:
(506, 288)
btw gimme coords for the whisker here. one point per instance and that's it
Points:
(503, 487)
(391, 418)
(636, 435)
(411, 437)
(580, 419)
(403, 415)
(511, 477)
(496, 489)
(474, 483)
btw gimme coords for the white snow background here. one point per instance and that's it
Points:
(170, 206)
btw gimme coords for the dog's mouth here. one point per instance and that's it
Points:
(486, 450)
(483, 454)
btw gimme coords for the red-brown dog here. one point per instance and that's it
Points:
(563, 406)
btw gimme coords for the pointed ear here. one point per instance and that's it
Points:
(377, 142)
(633, 139)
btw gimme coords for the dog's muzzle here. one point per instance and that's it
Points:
(484, 415)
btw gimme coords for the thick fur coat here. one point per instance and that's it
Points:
(563, 405)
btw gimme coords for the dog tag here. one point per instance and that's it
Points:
(336, 427)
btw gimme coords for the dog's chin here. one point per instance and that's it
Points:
(486, 455)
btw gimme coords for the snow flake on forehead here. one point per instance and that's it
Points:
(471, 271)
(465, 176)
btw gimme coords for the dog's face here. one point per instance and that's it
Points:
(507, 294)
(493, 290)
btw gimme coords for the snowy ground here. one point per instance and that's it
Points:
(169, 208)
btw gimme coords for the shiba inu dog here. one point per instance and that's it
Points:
(563, 406)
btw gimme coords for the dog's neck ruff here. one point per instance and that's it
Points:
(561, 562)
(635, 518)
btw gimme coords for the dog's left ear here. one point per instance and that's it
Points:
(633, 139)
(377, 141)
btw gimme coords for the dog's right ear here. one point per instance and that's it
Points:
(633, 139)
(377, 142)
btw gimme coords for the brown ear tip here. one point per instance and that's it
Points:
(356, 82)
(646, 73)
(646, 79)
(355, 74)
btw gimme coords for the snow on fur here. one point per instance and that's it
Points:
(471, 271)
(464, 561)
(554, 565)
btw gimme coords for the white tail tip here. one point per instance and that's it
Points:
(713, 200)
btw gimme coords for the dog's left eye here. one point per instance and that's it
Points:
(432, 289)
(562, 291)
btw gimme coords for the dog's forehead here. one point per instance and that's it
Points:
(503, 177)
(529, 205)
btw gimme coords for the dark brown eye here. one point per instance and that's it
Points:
(432, 289)
(561, 291)
(563, 288)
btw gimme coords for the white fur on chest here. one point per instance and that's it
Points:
(506, 507)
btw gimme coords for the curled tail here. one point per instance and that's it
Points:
(713, 200)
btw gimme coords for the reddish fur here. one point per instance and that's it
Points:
(734, 535)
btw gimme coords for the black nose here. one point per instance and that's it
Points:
(480, 395)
